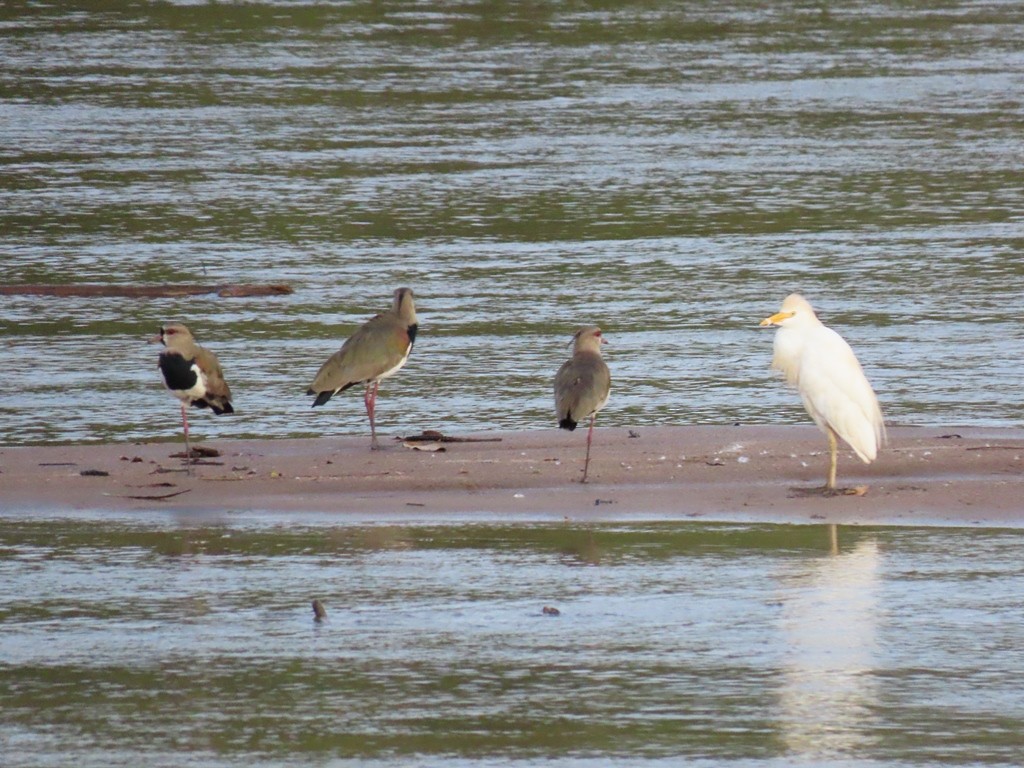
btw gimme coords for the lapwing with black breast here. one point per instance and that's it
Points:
(193, 375)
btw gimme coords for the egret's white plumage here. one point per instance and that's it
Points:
(836, 393)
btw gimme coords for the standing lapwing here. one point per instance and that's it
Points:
(377, 350)
(582, 385)
(193, 375)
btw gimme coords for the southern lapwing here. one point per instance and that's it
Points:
(193, 375)
(582, 385)
(377, 350)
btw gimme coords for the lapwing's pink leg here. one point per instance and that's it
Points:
(590, 436)
(188, 450)
(370, 399)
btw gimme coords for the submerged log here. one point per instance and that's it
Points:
(319, 612)
(145, 291)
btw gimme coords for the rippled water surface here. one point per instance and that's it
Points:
(175, 642)
(667, 170)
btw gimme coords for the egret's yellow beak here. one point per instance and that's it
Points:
(777, 318)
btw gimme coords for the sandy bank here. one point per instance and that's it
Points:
(924, 476)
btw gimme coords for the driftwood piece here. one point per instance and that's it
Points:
(198, 452)
(147, 497)
(433, 436)
(145, 291)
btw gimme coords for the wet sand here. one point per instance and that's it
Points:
(925, 476)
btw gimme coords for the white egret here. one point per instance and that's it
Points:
(836, 393)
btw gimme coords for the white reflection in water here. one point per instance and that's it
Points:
(828, 625)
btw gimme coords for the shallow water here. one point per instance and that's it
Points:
(669, 172)
(178, 643)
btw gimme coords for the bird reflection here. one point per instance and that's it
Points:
(829, 627)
